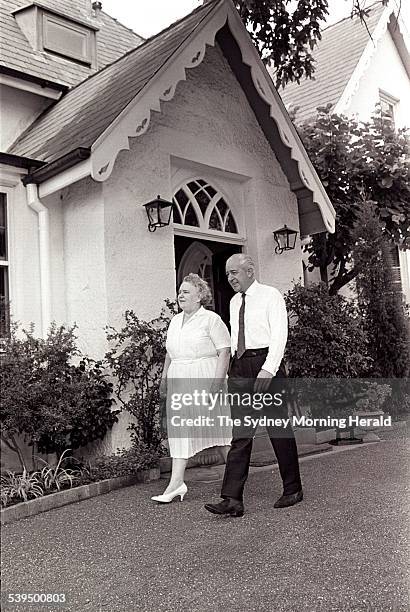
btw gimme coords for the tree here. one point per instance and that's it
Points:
(285, 32)
(285, 39)
(383, 316)
(362, 165)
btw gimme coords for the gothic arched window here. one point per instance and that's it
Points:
(198, 204)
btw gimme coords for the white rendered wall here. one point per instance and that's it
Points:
(387, 73)
(209, 122)
(209, 127)
(18, 110)
(84, 264)
(55, 206)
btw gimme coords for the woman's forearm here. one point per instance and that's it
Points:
(222, 363)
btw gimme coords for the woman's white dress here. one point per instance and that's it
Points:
(192, 348)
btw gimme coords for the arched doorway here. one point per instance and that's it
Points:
(206, 234)
(198, 259)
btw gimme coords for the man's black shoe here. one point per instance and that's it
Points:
(229, 507)
(289, 500)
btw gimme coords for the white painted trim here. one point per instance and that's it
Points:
(34, 88)
(44, 253)
(135, 118)
(214, 235)
(213, 182)
(11, 248)
(404, 260)
(10, 176)
(266, 89)
(205, 171)
(386, 97)
(65, 178)
(204, 219)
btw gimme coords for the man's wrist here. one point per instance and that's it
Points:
(269, 368)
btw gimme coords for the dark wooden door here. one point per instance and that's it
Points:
(223, 292)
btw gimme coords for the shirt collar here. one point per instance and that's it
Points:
(252, 288)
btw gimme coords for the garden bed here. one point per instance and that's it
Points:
(74, 494)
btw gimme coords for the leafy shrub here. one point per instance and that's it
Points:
(136, 361)
(20, 486)
(125, 462)
(54, 403)
(326, 335)
(326, 345)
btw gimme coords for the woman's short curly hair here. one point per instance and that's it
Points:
(204, 290)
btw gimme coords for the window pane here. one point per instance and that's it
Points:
(222, 207)
(2, 209)
(69, 39)
(211, 191)
(214, 222)
(3, 227)
(230, 225)
(176, 216)
(194, 187)
(182, 199)
(387, 112)
(203, 200)
(221, 218)
(4, 302)
(190, 217)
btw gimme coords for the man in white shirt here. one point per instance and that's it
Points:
(259, 329)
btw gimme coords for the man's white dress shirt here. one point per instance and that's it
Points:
(266, 323)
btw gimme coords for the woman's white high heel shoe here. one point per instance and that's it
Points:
(166, 498)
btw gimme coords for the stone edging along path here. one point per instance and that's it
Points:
(76, 494)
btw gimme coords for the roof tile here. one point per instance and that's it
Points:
(83, 114)
(336, 56)
(113, 40)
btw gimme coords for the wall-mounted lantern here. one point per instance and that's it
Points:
(158, 212)
(285, 239)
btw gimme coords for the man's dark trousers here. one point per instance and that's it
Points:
(242, 375)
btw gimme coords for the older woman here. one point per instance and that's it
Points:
(197, 359)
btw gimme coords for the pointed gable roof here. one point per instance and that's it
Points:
(337, 55)
(98, 117)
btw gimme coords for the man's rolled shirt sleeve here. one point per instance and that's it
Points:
(278, 324)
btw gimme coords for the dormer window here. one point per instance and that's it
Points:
(67, 38)
(54, 32)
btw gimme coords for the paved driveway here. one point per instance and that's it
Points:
(342, 549)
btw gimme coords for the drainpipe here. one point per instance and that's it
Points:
(44, 243)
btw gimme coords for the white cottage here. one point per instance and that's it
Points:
(190, 114)
(356, 68)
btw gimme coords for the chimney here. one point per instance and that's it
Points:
(96, 7)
